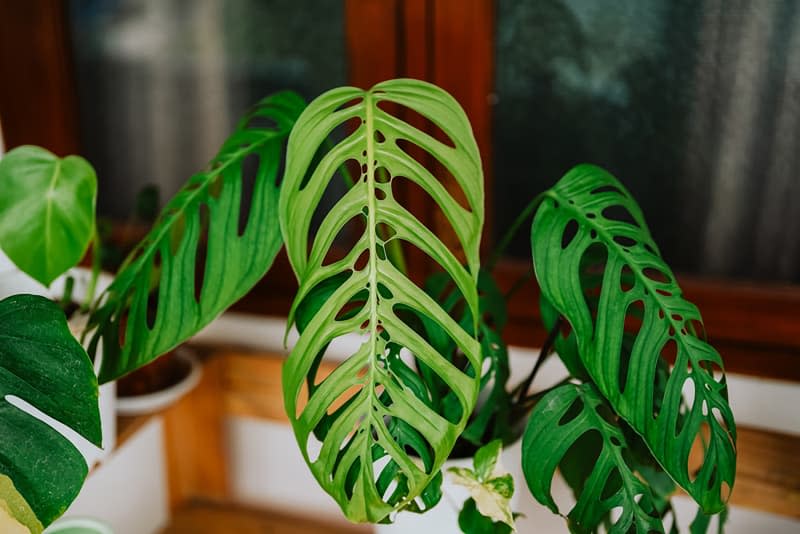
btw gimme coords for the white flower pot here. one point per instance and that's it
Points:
(443, 518)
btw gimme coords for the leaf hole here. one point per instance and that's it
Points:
(352, 477)
(154, 293)
(697, 329)
(257, 121)
(572, 412)
(418, 120)
(313, 447)
(664, 292)
(613, 484)
(725, 491)
(657, 275)
(619, 213)
(382, 175)
(670, 351)
(200, 269)
(569, 233)
(437, 170)
(577, 465)
(606, 189)
(697, 453)
(632, 326)
(362, 261)
(591, 216)
(626, 279)
(605, 412)
(384, 292)
(385, 232)
(624, 240)
(380, 194)
(349, 104)
(379, 137)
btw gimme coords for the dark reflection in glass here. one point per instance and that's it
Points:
(161, 83)
(693, 104)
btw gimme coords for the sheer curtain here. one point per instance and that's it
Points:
(746, 122)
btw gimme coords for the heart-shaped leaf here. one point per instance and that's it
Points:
(590, 214)
(44, 365)
(361, 428)
(167, 290)
(46, 210)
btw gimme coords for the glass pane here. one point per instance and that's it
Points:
(161, 83)
(693, 104)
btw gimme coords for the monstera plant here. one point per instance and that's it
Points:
(643, 411)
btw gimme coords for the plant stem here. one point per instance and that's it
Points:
(518, 284)
(543, 354)
(96, 266)
(512, 231)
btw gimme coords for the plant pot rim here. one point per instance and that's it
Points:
(160, 400)
(91, 525)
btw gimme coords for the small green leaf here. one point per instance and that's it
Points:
(502, 485)
(486, 458)
(45, 366)
(46, 210)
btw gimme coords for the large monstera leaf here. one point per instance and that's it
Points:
(574, 419)
(589, 214)
(166, 291)
(42, 364)
(368, 431)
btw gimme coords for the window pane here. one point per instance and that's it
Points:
(161, 83)
(693, 104)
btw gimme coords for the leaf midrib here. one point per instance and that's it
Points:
(609, 242)
(373, 257)
(48, 212)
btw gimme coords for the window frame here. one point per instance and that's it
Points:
(754, 325)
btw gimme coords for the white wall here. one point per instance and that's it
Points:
(268, 470)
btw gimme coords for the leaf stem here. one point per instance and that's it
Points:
(543, 354)
(96, 266)
(518, 284)
(512, 231)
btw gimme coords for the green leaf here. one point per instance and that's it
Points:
(191, 288)
(589, 212)
(46, 210)
(486, 459)
(44, 365)
(471, 521)
(568, 415)
(384, 419)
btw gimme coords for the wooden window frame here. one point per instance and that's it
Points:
(755, 326)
